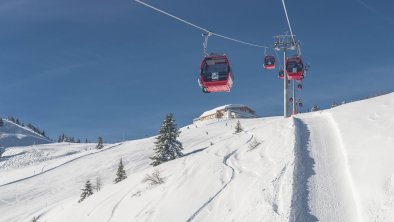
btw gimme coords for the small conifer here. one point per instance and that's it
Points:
(86, 191)
(100, 142)
(121, 173)
(238, 127)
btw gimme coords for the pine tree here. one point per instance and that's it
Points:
(2, 150)
(121, 173)
(63, 138)
(12, 119)
(238, 127)
(167, 146)
(87, 191)
(334, 104)
(100, 143)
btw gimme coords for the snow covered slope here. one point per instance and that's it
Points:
(333, 165)
(12, 134)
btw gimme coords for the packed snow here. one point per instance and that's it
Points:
(331, 165)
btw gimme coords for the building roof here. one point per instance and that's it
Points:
(213, 111)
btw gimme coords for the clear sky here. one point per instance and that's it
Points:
(114, 68)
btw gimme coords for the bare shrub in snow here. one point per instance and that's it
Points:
(254, 144)
(154, 179)
(315, 108)
(98, 184)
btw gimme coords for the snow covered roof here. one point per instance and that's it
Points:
(228, 106)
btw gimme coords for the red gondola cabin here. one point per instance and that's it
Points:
(215, 74)
(269, 62)
(295, 68)
(281, 74)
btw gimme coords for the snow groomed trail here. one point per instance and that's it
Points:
(323, 189)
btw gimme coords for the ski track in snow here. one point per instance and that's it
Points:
(67, 162)
(105, 201)
(117, 204)
(225, 159)
(357, 209)
(277, 186)
(322, 188)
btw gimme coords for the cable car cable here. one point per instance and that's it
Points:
(288, 21)
(199, 27)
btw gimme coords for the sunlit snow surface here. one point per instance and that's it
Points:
(333, 165)
(12, 134)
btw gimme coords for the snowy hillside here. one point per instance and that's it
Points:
(12, 134)
(332, 165)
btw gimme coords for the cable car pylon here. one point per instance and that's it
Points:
(285, 43)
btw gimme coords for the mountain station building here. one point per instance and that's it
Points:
(231, 111)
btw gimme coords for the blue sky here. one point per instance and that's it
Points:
(115, 68)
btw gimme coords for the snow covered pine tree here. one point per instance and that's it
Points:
(238, 127)
(2, 150)
(167, 146)
(121, 173)
(100, 143)
(87, 191)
